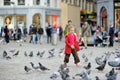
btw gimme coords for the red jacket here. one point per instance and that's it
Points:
(68, 49)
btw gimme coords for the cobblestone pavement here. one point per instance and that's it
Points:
(13, 69)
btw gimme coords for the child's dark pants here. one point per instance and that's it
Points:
(75, 55)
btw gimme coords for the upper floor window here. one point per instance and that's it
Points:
(36, 2)
(48, 2)
(21, 2)
(6, 2)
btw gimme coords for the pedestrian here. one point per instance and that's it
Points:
(54, 34)
(60, 33)
(34, 34)
(111, 34)
(7, 34)
(40, 32)
(71, 47)
(66, 28)
(30, 34)
(48, 32)
(86, 32)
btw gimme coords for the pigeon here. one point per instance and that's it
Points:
(83, 56)
(114, 63)
(34, 67)
(12, 51)
(97, 78)
(102, 66)
(42, 53)
(4, 54)
(31, 54)
(25, 53)
(27, 69)
(88, 66)
(111, 75)
(98, 60)
(16, 53)
(55, 75)
(38, 53)
(86, 59)
(43, 68)
(51, 52)
(8, 57)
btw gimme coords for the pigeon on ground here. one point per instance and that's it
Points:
(97, 78)
(83, 56)
(114, 63)
(88, 66)
(38, 53)
(25, 53)
(55, 75)
(16, 53)
(31, 54)
(102, 66)
(86, 59)
(34, 67)
(51, 52)
(111, 75)
(27, 69)
(43, 68)
(42, 53)
(99, 60)
(8, 57)
(4, 54)
(12, 51)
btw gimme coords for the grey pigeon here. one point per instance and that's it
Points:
(33, 66)
(43, 68)
(111, 75)
(88, 66)
(97, 78)
(55, 75)
(102, 66)
(38, 53)
(27, 69)
(8, 57)
(42, 53)
(31, 54)
(12, 51)
(16, 53)
(25, 53)
(114, 63)
(51, 52)
(4, 54)
(83, 56)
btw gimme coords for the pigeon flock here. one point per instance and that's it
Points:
(111, 59)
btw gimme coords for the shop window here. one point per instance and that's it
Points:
(6, 2)
(36, 2)
(21, 2)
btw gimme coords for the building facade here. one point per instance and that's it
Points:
(23, 13)
(108, 11)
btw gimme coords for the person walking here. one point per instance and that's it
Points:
(111, 34)
(40, 34)
(86, 32)
(34, 34)
(48, 32)
(7, 34)
(60, 33)
(66, 28)
(71, 47)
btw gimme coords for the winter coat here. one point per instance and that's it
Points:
(68, 49)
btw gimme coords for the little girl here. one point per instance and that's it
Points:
(71, 47)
